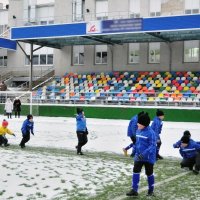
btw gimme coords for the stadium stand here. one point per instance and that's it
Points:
(123, 87)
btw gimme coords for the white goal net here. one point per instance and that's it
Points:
(25, 98)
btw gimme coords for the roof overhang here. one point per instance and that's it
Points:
(132, 30)
(8, 44)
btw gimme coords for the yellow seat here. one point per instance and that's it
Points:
(176, 91)
(157, 82)
(160, 95)
(168, 88)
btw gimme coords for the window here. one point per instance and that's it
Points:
(51, 21)
(44, 14)
(27, 62)
(101, 9)
(78, 8)
(134, 49)
(154, 52)
(43, 22)
(101, 54)
(3, 61)
(78, 55)
(50, 59)
(191, 51)
(43, 59)
(155, 8)
(35, 59)
(134, 8)
(191, 7)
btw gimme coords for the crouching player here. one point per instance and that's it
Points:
(189, 150)
(3, 131)
(145, 155)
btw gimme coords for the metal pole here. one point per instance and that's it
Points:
(112, 59)
(170, 56)
(31, 69)
(31, 104)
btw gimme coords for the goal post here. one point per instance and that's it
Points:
(24, 96)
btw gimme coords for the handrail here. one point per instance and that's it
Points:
(44, 73)
(6, 34)
(5, 76)
(47, 80)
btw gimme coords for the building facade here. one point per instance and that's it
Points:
(99, 58)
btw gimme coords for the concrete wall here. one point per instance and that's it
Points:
(63, 11)
(117, 54)
(171, 7)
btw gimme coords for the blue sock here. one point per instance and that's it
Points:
(151, 182)
(135, 181)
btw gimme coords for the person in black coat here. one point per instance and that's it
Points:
(17, 107)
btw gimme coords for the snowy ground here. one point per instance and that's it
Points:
(31, 174)
(104, 135)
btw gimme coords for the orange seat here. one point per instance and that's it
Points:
(173, 95)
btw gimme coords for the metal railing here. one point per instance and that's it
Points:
(6, 34)
(46, 74)
(115, 98)
(5, 76)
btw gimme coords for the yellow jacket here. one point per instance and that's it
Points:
(4, 130)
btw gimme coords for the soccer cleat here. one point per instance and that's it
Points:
(22, 146)
(182, 165)
(125, 152)
(191, 168)
(159, 157)
(132, 193)
(150, 193)
(80, 153)
(195, 172)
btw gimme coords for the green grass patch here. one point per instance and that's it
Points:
(184, 187)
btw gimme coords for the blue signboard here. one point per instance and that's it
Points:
(122, 25)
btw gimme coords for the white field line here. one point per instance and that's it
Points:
(156, 184)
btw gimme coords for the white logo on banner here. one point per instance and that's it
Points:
(93, 27)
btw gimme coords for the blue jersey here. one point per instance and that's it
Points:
(178, 144)
(132, 127)
(146, 145)
(80, 123)
(27, 126)
(190, 150)
(157, 126)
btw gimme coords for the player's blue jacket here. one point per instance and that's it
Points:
(178, 144)
(80, 122)
(145, 145)
(157, 126)
(132, 127)
(190, 150)
(27, 126)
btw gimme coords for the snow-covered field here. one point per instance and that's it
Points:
(27, 174)
(104, 135)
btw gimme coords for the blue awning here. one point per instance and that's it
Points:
(157, 29)
(8, 44)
